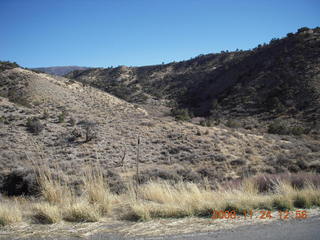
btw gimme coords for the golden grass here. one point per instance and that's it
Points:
(53, 191)
(10, 213)
(81, 211)
(152, 200)
(97, 191)
(46, 213)
(163, 200)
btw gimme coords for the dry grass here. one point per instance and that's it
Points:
(10, 213)
(97, 191)
(52, 189)
(163, 200)
(81, 211)
(155, 199)
(46, 213)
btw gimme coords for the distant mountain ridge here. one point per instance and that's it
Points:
(59, 70)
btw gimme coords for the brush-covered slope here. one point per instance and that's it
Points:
(276, 80)
(59, 70)
(65, 125)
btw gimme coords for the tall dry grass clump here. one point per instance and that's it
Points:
(10, 213)
(46, 213)
(96, 190)
(52, 189)
(81, 211)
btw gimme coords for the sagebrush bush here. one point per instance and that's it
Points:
(61, 117)
(181, 114)
(283, 128)
(278, 127)
(233, 124)
(34, 125)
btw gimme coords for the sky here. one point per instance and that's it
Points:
(103, 33)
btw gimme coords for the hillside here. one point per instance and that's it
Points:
(279, 80)
(60, 70)
(64, 125)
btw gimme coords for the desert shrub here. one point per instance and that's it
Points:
(207, 172)
(174, 150)
(90, 131)
(72, 121)
(269, 182)
(283, 160)
(156, 174)
(298, 181)
(4, 120)
(315, 165)
(18, 96)
(115, 182)
(303, 29)
(302, 179)
(277, 127)
(238, 162)
(75, 134)
(4, 65)
(188, 175)
(208, 122)
(45, 114)
(314, 147)
(214, 105)
(274, 104)
(181, 114)
(283, 128)
(148, 124)
(34, 125)
(218, 157)
(297, 130)
(282, 203)
(301, 201)
(233, 124)
(20, 182)
(266, 183)
(247, 171)
(61, 117)
(302, 164)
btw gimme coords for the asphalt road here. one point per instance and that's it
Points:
(308, 229)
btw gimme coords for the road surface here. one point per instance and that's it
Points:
(308, 229)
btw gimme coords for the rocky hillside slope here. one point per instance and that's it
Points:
(66, 125)
(276, 80)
